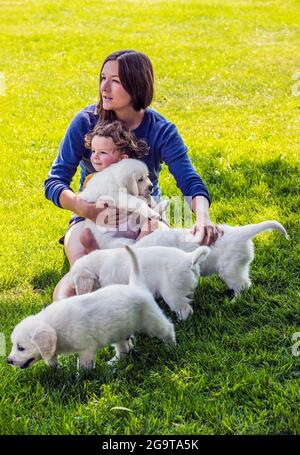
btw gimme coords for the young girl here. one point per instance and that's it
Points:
(125, 92)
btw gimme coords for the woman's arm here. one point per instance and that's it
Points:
(208, 232)
(71, 152)
(111, 217)
(71, 201)
(174, 153)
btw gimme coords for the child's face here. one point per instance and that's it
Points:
(104, 152)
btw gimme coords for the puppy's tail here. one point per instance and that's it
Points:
(199, 255)
(135, 277)
(249, 231)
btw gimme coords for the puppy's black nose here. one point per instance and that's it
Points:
(9, 361)
(150, 187)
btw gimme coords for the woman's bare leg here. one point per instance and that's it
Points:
(63, 289)
(74, 250)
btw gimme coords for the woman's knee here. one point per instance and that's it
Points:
(64, 289)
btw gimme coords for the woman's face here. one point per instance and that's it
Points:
(114, 96)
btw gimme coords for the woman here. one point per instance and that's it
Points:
(126, 91)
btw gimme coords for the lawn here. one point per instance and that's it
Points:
(228, 75)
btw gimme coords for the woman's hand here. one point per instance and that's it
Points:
(207, 233)
(88, 209)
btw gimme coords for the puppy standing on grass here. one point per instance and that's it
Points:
(230, 256)
(168, 273)
(85, 323)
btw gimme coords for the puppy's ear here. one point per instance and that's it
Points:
(130, 183)
(45, 339)
(83, 283)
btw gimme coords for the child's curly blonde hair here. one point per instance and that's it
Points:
(124, 140)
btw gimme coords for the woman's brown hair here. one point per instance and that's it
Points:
(124, 140)
(137, 78)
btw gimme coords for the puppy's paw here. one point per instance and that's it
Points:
(184, 312)
(170, 338)
(112, 362)
(85, 364)
(52, 363)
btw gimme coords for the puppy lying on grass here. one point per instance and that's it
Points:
(230, 256)
(169, 273)
(85, 323)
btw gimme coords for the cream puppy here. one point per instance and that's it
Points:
(121, 185)
(169, 273)
(231, 255)
(85, 323)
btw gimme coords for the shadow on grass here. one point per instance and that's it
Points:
(49, 278)
(45, 279)
(280, 178)
(64, 385)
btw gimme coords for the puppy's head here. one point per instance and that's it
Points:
(32, 340)
(144, 185)
(135, 178)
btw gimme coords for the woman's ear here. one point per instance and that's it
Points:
(124, 156)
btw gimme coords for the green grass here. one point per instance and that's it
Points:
(224, 75)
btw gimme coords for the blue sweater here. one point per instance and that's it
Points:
(166, 145)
